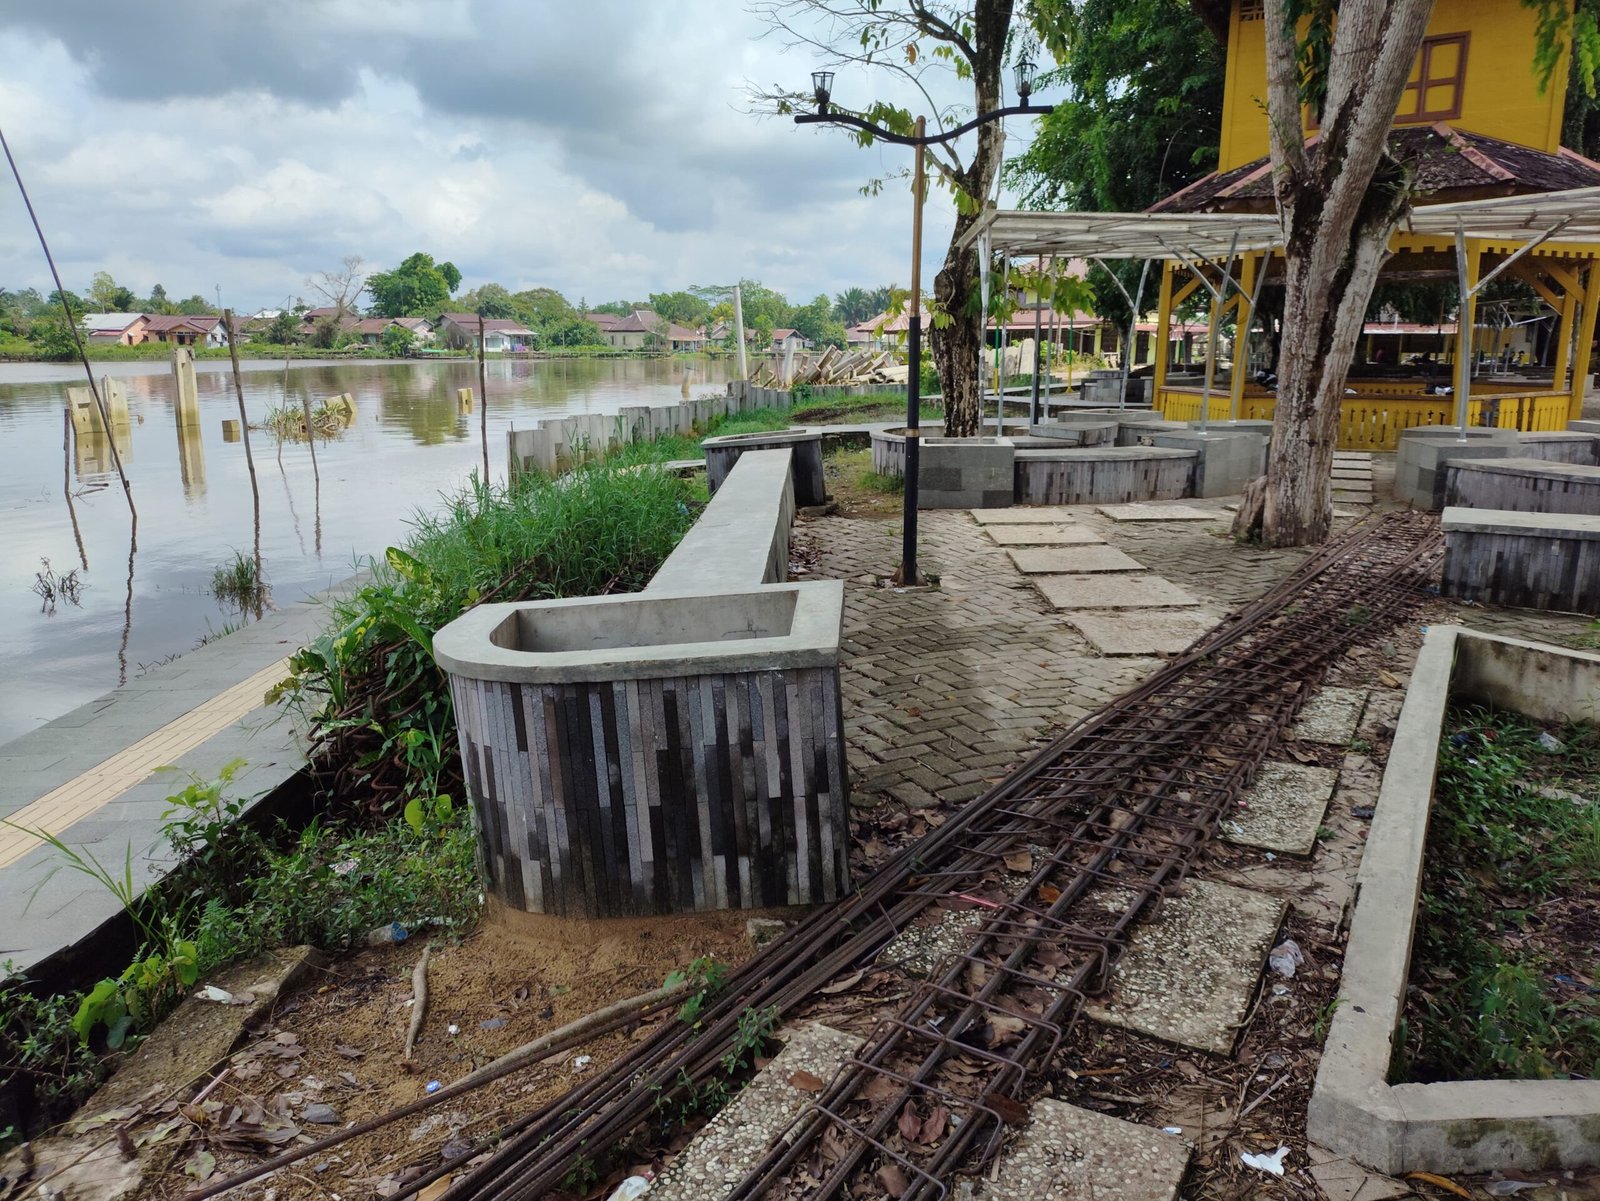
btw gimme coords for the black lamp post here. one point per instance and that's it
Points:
(822, 92)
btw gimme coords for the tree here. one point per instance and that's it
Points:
(573, 332)
(617, 308)
(197, 306)
(815, 323)
(489, 300)
(397, 341)
(853, 306)
(544, 308)
(1144, 109)
(416, 288)
(340, 287)
(685, 308)
(158, 302)
(282, 330)
(108, 296)
(910, 39)
(52, 337)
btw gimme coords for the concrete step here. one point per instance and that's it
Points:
(1024, 515)
(1041, 535)
(1283, 809)
(1071, 1154)
(1143, 631)
(1066, 592)
(1190, 971)
(1051, 560)
(1330, 716)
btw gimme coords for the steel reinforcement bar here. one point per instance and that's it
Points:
(1112, 814)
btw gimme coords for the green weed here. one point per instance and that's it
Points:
(237, 583)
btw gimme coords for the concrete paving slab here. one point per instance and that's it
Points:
(1330, 716)
(1072, 1154)
(1025, 515)
(1042, 535)
(1142, 631)
(1344, 1179)
(1189, 972)
(1140, 511)
(734, 1141)
(1111, 592)
(1051, 560)
(1283, 809)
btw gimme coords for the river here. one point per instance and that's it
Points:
(408, 444)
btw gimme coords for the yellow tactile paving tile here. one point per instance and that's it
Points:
(95, 787)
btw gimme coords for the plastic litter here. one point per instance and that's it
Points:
(1172, 1129)
(433, 1086)
(631, 1189)
(1272, 1164)
(582, 1062)
(1509, 1188)
(1285, 957)
(453, 1028)
(393, 932)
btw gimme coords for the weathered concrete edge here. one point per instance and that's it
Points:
(1460, 1126)
(463, 648)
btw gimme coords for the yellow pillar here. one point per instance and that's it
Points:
(1241, 336)
(1580, 358)
(1158, 379)
(1564, 332)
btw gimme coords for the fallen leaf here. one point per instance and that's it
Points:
(200, 1165)
(347, 1051)
(1392, 681)
(909, 1123)
(1049, 894)
(806, 1082)
(1012, 1113)
(844, 983)
(893, 1180)
(933, 1128)
(436, 1190)
(1019, 861)
(1449, 1186)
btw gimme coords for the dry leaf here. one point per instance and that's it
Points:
(1449, 1186)
(1012, 1113)
(806, 1082)
(909, 1123)
(1020, 861)
(893, 1180)
(933, 1128)
(1049, 894)
(347, 1051)
(436, 1190)
(843, 983)
(1390, 680)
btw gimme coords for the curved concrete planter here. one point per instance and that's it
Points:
(655, 752)
(806, 445)
(1103, 475)
(1460, 1126)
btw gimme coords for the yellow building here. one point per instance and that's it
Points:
(1475, 123)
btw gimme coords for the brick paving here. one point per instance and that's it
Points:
(946, 689)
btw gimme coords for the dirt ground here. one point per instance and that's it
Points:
(338, 1042)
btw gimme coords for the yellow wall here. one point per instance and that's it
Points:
(1501, 97)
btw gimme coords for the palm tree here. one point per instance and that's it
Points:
(852, 306)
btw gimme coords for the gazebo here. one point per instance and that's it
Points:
(1550, 240)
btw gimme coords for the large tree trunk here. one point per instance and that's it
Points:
(956, 345)
(1339, 201)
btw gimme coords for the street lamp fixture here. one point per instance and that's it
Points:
(822, 88)
(920, 139)
(1025, 73)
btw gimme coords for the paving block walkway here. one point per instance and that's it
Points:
(91, 777)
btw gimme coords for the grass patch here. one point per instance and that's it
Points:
(381, 722)
(235, 581)
(1505, 980)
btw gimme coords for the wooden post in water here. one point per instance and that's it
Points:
(186, 397)
(738, 329)
(244, 431)
(483, 412)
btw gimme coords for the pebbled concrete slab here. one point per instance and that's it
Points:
(733, 1141)
(1190, 971)
(1042, 535)
(1025, 515)
(1072, 1154)
(1330, 716)
(1140, 511)
(1143, 632)
(1343, 1179)
(1282, 810)
(1050, 560)
(1111, 592)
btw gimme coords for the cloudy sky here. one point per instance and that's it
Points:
(603, 149)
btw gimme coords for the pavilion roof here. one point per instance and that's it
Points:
(1178, 236)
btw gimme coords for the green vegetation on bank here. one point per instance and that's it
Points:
(1505, 979)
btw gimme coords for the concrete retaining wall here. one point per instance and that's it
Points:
(805, 446)
(965, 473)
(1103, 475)
(1526, 560)
(1522, 485)
(1466, 1126)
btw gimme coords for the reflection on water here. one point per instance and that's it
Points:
(411, 438)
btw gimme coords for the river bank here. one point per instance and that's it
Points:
(138, 606)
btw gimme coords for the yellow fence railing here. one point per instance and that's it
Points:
(1374, 422)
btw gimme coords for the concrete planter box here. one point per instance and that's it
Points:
(1103, 475)
(1559, 446)
(1228, 458)
(1464, 1126)
(1521, 484)
(1527, 560)
(889, 452)
(1098, 432)
(1421, 451)
(806, 445)
(657, 752)
(965, 473)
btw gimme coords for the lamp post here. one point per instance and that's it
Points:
(920, 139)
